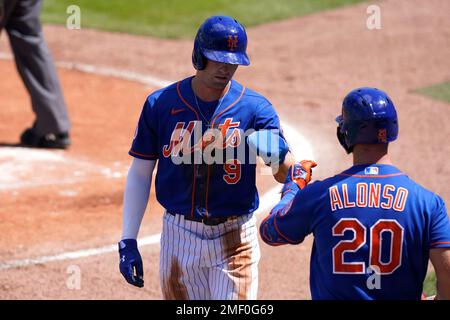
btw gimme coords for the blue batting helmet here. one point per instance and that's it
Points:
(221, 39)
(368, 117)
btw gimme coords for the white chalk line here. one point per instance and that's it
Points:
(105, 71)
(300, 148)
(27, 168)
(73, 255)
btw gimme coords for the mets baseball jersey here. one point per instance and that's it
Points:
(368, 218)
(175, 128)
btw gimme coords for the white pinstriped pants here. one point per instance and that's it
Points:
(200, 262)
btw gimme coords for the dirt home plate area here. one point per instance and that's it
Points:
(60, 212)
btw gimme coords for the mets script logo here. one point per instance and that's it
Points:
(226, 135)
(232, 42)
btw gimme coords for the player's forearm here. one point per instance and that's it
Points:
(280, 172)
(443, 282)
(136, 196)
(440, 258)
(443, 289)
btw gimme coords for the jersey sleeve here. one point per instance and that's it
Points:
(266, 117)
(440, 226)
(291, 222)
(145, 142)
(296, 223)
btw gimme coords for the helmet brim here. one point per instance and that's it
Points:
(227, 57)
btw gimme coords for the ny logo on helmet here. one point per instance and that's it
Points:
(232, 42)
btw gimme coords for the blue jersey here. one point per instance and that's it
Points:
(373, 228)
(176, 128)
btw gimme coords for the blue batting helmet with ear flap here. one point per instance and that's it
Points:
(221, 39)
(368, 117)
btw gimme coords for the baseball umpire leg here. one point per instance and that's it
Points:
(35, 66)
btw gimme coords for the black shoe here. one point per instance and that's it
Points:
(50, 141)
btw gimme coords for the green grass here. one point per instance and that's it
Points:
(439, 91)
(429, 285)
(178, 18)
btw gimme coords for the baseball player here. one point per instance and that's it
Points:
(209, 244)
(374, 228)
(20, 18)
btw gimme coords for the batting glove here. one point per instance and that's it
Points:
(131, 262)
(299, 175)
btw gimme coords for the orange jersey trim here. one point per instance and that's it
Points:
(144, 155)
(280, 233)
(212, 126)
(232, 104)
(184, 101)
(438, 243)
(196, 115)
(266, 239)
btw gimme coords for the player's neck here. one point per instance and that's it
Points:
(371, 154)
(207, 93)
